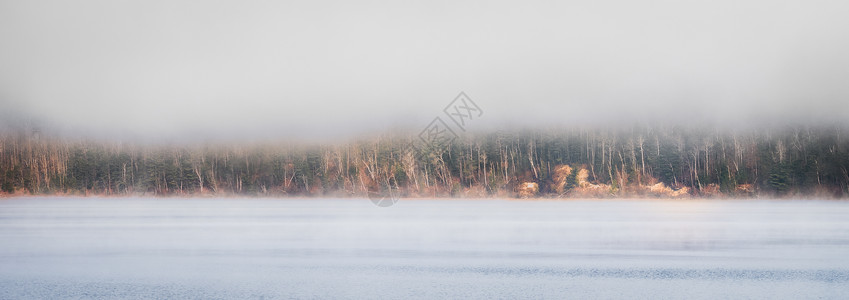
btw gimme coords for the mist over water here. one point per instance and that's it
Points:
(336, 69)
(211, 99)
(328, 248)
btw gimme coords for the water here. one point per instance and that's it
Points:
(95, 248)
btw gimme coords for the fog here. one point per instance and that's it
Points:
(141, 248)
(341, 68)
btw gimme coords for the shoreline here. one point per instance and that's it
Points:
(420, 198)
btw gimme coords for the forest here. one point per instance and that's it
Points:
(575, 162)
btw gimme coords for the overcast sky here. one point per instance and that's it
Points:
(337, 68)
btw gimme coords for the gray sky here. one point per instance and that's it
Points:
(338, 68)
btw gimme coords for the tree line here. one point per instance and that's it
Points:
(789, 161)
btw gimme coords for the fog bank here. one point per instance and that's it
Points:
(338, 68)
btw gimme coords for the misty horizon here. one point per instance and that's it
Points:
(406, 149)
(330, 70)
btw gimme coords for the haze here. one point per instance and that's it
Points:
(340, 68)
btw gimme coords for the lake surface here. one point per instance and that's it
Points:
(100, 248)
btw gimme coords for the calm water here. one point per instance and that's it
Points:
(329, 248)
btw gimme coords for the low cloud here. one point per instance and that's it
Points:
(337, 68)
